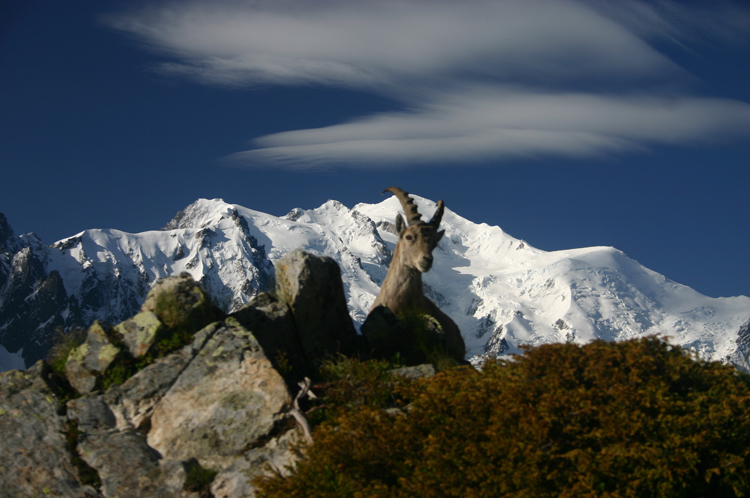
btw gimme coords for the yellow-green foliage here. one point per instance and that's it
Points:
(632, 419)
(351, 384)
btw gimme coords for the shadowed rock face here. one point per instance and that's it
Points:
(311, 285)
(272, 324)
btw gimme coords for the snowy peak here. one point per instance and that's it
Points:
(502, 292)
(201, 214)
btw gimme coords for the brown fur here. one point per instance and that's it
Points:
(402, 289)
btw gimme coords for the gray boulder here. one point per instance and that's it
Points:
(312, 287)
(424, 371)
(180, 303)
(227, 400)
(34, 460)
(141, 332)
(271, 322)
(91, 359)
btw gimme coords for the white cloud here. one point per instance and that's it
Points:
(480, 79)
(353, 43)
(495, 124)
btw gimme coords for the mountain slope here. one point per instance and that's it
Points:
(504, 293)
(501, 292)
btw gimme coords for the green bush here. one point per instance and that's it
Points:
(349, 384)
(632, 419)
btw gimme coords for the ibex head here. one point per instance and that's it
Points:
(417, 240)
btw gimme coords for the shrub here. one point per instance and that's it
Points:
(633, 419)
(351, 385)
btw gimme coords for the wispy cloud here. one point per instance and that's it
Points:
(477, 79)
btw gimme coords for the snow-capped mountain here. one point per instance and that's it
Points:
(502, 292)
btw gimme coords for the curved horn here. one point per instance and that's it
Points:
(412, 215)
(435, 221)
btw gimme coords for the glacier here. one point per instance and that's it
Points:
(502, 292)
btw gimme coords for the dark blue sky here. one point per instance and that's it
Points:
(113, 118)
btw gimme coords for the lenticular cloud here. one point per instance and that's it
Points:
(477, 79)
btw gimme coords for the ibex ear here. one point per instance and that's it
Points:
(439, 236)
(400, 225)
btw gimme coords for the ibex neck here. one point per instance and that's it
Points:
(402, 288)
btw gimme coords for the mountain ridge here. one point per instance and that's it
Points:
(502, 292)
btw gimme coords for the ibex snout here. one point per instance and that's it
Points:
(425, 264)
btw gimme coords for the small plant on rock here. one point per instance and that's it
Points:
(63, 342)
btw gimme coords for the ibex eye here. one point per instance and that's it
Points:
(408, 237)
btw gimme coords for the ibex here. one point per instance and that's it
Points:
(402, 289)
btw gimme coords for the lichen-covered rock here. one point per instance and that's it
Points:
(141, 332)
(126, 465)
(91, 359)
(180, 303)
(312, 287)
(227, 400)
(134, 400)
(34, 460)
(271, 322)
(278, 455)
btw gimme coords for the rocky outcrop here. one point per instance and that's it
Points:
(180, 400)
(311, 285)
(741, 356)
(35, 459)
